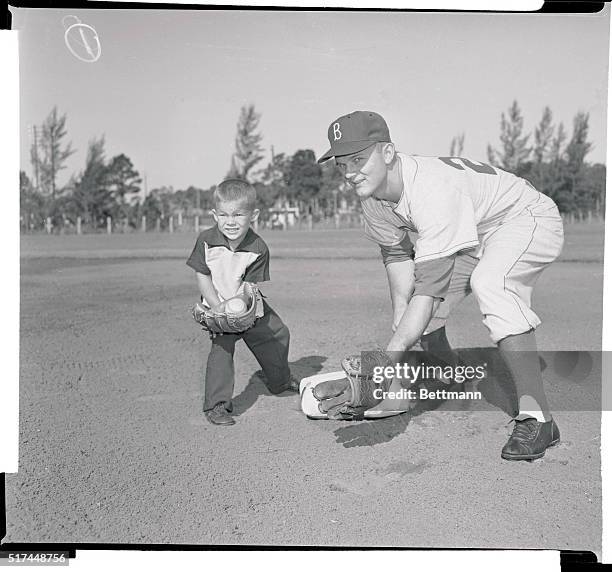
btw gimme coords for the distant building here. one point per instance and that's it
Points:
(284, 217)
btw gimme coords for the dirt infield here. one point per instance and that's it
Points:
(113, 447)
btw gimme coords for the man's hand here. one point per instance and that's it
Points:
(349, 398)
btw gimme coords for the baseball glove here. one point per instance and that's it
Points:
(220, 320)
(349, 398)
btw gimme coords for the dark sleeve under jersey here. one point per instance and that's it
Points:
(197, 258)
(259, 271)
(404, 250)
(432, 278)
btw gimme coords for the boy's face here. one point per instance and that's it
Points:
(234, 218)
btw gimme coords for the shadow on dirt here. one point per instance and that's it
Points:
(303, 367)
(496, 388)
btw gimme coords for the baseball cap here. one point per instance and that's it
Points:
(355, 132)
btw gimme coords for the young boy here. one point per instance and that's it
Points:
(225, 256)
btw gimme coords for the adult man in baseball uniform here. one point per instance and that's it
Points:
(479, 229)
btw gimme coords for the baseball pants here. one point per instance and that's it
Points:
(268, 340)
(503, 273)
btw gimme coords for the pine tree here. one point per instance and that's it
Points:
(91, 193)
(575, 153)
(543, 140)
(543, 137)
(124, 184)
(31, 203)
(50, 155)
(456, 148)
(578, 146)
(304, 177)
(273, 186)
(515, 152)
(549, 175)
(248, 151)
(557, 144)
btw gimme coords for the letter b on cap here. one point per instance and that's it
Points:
(337, 132)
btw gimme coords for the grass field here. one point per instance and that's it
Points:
(113, 446)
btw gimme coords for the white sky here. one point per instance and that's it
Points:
(168, 88)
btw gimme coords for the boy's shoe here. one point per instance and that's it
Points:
(293, 384)
(219, 415)
(530, 439)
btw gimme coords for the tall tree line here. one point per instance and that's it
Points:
(103, 188)
(553, 161)
(287, 180)
(555, 164)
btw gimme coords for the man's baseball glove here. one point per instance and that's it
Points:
(220, 320)
(349, 398)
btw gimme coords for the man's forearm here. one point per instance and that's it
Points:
(413, 323)
(401, 285)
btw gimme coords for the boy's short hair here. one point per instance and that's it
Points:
(235, 190)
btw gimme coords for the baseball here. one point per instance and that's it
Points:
(235, 306)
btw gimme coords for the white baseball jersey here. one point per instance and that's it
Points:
(451, 202)
(455, 204)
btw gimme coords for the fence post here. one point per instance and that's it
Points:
(171, 224)
(336, 220)
(158, 224)
(109, 226)
(78, 225)
(309, 221)
(143, 223)
(48, 225)
(197, 223)
(180, 218)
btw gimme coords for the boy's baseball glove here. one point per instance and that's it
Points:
(349, 398)
(222, 319)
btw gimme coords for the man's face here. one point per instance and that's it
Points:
(366, 171)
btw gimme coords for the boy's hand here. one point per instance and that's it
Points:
(218, 320)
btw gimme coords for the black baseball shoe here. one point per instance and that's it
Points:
(294, 383)
(218, 415)
(530, 439)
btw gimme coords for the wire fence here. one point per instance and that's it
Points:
(184, 224)
(195, 223)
